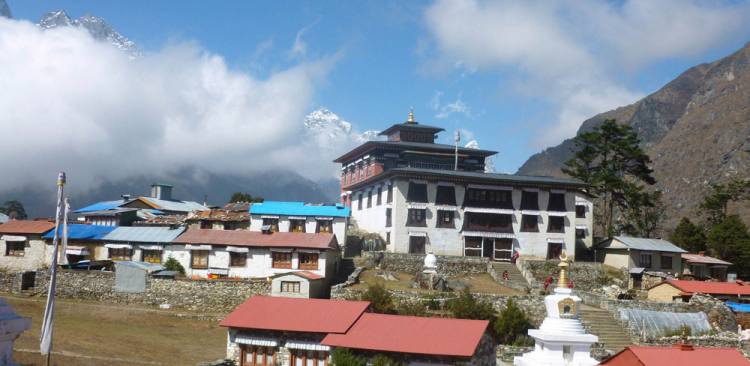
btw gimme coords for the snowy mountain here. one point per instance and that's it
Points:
(489, 164)
(326, 126)
(5, 10)
(97, 27)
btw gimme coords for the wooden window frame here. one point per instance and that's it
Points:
(555, 229)
(290, 287)
(295, 228)
(309, 261)
(359, 202)
(580, 211)
(369, 199)
(530, 200)
(273, 224)
(207, 225)
(15, 252)
(303, 355)
(269, 355)
(442, 223)
(147, 256)
(388, 217)
(120, 254)
(525, 224)
(237, 259)
(281, 260)
(389, 195)
(641, 261)
(195, 254)
(414, 219)
(328, 225)
(662, 264)
(379, 200)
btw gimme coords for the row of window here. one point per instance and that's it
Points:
(481, 222)
(268, 356)
(199, 258)
(378, 197)
(645, 261)
(298, 225)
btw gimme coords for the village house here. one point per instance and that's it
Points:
(640, 256)
(145, 244)
(702, 267)
(679, 354)
(286, 331)
(300, 217)
(84, 242)
(301, 332)
(249, 254)
(22, 247)
(302, 284)
(422, 196)
(682, 290)
(233, 216)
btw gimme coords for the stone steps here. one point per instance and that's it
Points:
(603, 325)
(515, 278)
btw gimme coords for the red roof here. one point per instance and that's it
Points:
(248, 238)
(295, 315)
(26, 227)
(411, 334)
(711, 288)
(304, 274)
(678, 355)
(701, 258)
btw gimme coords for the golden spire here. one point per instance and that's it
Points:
(562, 282)
(411, 116)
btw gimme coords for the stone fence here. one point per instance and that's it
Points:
(586, 276)
(448, 266)
(209, 295)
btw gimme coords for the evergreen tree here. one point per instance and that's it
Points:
(345, 357)
(512, 324)
(643, 215)
(730, 241)
(244, 197)
(689, 236)
(381, 301)
(466, 306)
(14, 210)
(716, 204)
(611, 162)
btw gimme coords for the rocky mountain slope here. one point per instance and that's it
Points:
(696, 129)
(97, 27)
(5, 10)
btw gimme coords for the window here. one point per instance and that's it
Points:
(369, 199)
(151, 256)
(281, 260)
(645, 260)
(297, 226)
(416, 217)
(380, 193)
(556, 202)
(499, 223)
(490, 198)
(359, 202)
(308, 358)
(15, 248)
(324, 226)
(389, 196)
(230, 226)
(417, 244)
(580, 234)
(290, 286)
(237, 259)
(580, 211)
(445, 219)
(308, 261)
(446, 195)
(120, 254)
(258, 356)
(205, 224)
(556, 224)
(529, 223)
(388, 237)
(473, 246)
(388, 217)
(530, 200)
(666, 261)
(199, 259)
(271, 223)
(417, 192)
(554, 250)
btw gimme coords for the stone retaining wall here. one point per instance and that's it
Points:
(586, 276)
(448, 266)
(208, 295)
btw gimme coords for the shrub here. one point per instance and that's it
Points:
(172, 264)
(432, 302)
(383, 360)
(683, 330)
(512, 324)
(380, 299)
(413, 308)
(466, 306)
(345, 357)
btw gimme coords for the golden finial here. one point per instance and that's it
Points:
(411, 116)
(562, 282)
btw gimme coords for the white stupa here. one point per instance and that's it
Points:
(561, 340)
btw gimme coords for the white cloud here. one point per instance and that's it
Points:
(72, 103)
(571, 53)
(299, 47)
(443, 111)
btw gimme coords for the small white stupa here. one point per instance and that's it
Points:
(561, 340)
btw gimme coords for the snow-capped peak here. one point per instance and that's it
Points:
(96, 26)
(324, 123)
(54, 19)
(489, 164)
(473, 144)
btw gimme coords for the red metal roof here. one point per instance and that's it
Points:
(700, 258)
(711, 288)
(26, 227)
(306, 274)
(678, 355)
(295, 315)
(248, 238)
(411, 334)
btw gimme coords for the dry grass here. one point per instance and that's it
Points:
(483, 282)
(88, 334)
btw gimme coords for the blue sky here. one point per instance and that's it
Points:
(517, 76)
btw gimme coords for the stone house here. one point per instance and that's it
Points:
(22, 247)
(302, 284)
(682, 290)
(679, 354)
(233, 216)
(133, 243)
(639, 255)
(84, 242)
(701, 266)
(249, 254)
(300, 217)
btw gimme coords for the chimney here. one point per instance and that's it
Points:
(125, 197)
(161, 191)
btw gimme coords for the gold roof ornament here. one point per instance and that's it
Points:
(411, 116)
(562, 282)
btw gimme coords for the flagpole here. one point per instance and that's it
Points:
(64, 247)
(45, 340)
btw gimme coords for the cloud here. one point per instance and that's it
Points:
(75, 104)
(443, 111)
(299, 47)
(571, 53)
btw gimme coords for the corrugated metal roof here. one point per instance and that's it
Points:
(80, 232)
(682, 355)
(710, 288)
(26, 227)
(146, 266)
(500, 178)
(647, 244)
(101, 206)
(143, 234)
(298, 209)
(182, 206)
(698, 258)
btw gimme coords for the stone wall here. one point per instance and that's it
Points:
(448, 266)
(208, 295)
(586, 276)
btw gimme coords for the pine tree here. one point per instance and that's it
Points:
(730, 241)
(689, 236)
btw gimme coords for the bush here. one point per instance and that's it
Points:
(383, 360)
(466, 306)
(432, 302)
(345, 357)
(512, 324)
(172, 264)
(683, 330)
(413, 308)
(380, 299)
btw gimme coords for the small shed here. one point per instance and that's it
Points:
(131, 276)
(302, 284)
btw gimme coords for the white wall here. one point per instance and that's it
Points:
(37, 254)
(339, 225)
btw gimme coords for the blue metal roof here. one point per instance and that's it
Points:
(100, 206)
(738, 307)
(80, 231)
(298, 209)
(144, 234)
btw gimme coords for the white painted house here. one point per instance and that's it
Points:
(22, 247)
(300, 217)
